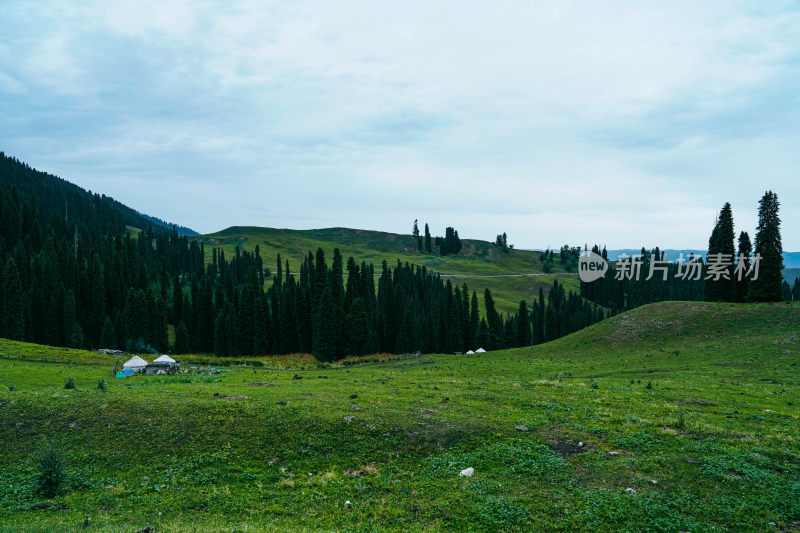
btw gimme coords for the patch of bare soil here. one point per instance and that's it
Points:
(566, 448)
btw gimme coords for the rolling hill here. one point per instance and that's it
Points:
(511, 276)
(690, 405)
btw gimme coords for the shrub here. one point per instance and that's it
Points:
(11, 388)
(70, 383)
(649, 385)
(52, 474)
(101, 385)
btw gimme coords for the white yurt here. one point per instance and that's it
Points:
(135, 363)
(480, 350)
(470, 352)
(165, 359)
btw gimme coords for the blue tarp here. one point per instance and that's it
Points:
(128, 372)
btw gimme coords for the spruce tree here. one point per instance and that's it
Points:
(324, 336)
(494, 321)
(182, 342)
(12, 319)
(356, 328)
(108, 339)
(428, 245)
(523, 325)
(767, 288)
(745, 250)
(722, 242)
(482, 337)
(73, 334)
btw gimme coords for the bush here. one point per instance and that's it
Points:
(52, 471)
(11, 388)
(70, 383)
(101, 385)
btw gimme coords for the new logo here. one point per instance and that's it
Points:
(591, 266)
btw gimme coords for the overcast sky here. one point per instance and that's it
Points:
(625, 124)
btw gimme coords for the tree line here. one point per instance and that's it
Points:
(729, 263)
(80, 277)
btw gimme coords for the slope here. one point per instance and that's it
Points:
(697, 402)
(511, 276)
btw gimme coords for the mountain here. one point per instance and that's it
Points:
(511, 276)
(56, 197)
(790, 274)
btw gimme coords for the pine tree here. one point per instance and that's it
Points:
(494, 321)
(324, 339)
(182, 342)
(260, 340)
(745, 250)
(482, 337)
(428, 245)
(721, 242)
(356, 331)
(767, 288)
(220, 335)
(108, 339)
(550, 323)
(12, 305)
(72, 329)
(523, 325)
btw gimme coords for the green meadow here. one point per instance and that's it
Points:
(511, 276)
(693, 406)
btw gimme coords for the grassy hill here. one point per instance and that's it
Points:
(697, 402)
(510, 276)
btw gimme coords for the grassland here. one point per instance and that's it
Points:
(511, 276)
(698, 401)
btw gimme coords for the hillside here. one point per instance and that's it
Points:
(511, 276)
(697, 402)
(58, 197)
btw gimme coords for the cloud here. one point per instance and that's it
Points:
(556, 122)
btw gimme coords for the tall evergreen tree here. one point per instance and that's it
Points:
(744, 253)
(108, 338)
(12, 304)
(428, 243)
(523, 325)
(722, 242)
(767, 288)
(182, 342)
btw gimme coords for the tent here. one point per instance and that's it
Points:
(470, 352)
(128, 372)
(120, 375)
(480, 350)
(165, 359)
(135, 363)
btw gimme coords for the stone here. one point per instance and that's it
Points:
(349, 418)
(580, 445)
(654, 482)
(613, 454)
(630, 491)
(348, 503)
(467, 472)
(521, 428)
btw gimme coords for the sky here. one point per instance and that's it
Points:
(617, 123)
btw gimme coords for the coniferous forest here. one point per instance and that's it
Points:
(73, 275)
